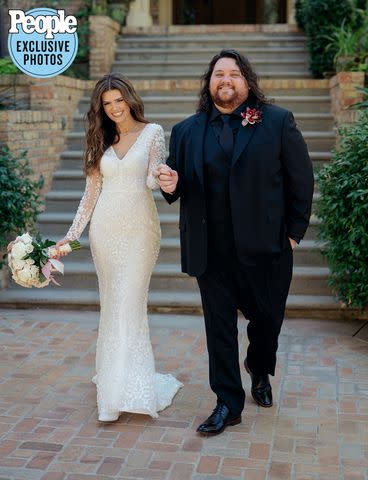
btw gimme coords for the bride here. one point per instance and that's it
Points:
(122, 153)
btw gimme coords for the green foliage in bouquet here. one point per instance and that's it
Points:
(343, 210)
(20, 201)
(318, 18)
(39, 253)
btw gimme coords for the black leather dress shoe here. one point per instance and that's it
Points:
(261, 388)
(219, 419)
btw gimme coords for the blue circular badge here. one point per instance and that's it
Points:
(42, 42)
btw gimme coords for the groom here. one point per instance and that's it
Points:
(241, 169)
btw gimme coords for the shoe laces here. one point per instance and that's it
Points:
(220, 408)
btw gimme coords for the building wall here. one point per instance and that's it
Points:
(162, 11)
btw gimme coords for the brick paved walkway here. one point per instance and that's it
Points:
(318, 428)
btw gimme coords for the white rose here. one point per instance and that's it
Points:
(26, 238)
(29, 248)
(18, 264)
(19, 282)
(33, 270)
(29, 261)
(24, 275)
(19, 250)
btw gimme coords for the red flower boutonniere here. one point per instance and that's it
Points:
(251, 116)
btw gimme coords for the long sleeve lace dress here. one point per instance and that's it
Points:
(125, 239)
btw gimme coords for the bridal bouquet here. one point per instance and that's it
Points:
(31, 260)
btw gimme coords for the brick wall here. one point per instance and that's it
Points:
(15, 91)
(60, 95)
(41, 129)
(344, 93)
(38, 133)
(102, 41)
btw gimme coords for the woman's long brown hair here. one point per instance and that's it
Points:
(101, 131)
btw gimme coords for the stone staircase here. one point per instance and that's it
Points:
(145, 58)
(185, 56)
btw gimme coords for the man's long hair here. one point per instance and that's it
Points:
(256, 96)
(101, 131)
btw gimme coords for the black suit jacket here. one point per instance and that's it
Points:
(271, 186)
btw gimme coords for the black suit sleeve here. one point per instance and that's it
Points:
(299, 179)
(172, 163)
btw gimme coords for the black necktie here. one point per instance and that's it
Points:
(226, 137)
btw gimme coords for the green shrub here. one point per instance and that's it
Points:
(364, 103)
(343, 210)
(7, 66)
(319, 17)
(350, 43)
(299, 13)
(19, 197)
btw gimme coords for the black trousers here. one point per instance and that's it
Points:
(259, 291)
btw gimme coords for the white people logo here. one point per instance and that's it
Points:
(42, 42)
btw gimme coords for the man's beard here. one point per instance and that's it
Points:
(232, 101)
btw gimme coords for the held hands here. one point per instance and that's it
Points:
(167, 178)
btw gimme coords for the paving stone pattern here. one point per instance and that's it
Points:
(317, 429)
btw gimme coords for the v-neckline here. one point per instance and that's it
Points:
(131, 146)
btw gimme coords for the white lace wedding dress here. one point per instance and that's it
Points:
(125, 239)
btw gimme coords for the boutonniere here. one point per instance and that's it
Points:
(251, 116)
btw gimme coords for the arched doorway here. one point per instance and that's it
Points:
(217, 12)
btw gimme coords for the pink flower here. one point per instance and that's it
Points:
(251, 116)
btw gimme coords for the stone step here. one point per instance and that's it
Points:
(57, 223)
(295, 67)
(188, 103)
(312, 230)
(274, 89)
(164, 207)
(64, 201)
(168, 278)
(216, 41)
(294, 103)
(298, 306)
(205, 54)
(135, 76)
(308, 252)
(68, 178)
(318, 141)
(307, 121)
